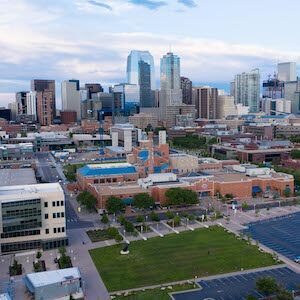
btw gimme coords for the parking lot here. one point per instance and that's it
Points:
(239, 286)
(281, 234)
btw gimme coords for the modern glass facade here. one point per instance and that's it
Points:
(247, 90)
(133, 69)
(170, 79)
(146, 94)
(126, 99)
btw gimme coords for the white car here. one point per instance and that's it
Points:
(297, 259)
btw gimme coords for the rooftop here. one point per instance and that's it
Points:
(107, 169)
(41, 279)
(22, 192)
(17, 176)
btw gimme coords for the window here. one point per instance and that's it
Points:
(58, 229)
(54, 230)
(45, 204)
(47, 231)
(57, 203)
(46, 216)
(62, 203)
(63, 229)
(58, 215)
(62, 214)
(53, 203)
(54, 215)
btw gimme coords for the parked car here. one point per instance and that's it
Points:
(297, 259)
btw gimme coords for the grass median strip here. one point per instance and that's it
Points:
(202, 252)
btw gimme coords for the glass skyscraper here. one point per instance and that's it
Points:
(170, 79)
(247, 90)
(140, 71)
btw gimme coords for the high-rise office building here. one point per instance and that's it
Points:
(247, 90)
(21, 103)
(186, 86)
(71, 97)
(225, 106)
(205, 99)
(133, 70)
(93, 88)
(171, 93)
(287, 71)
(140, 71)
(31, 99)
(46, 106)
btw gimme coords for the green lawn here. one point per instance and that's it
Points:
(176, 257)
(156, 293)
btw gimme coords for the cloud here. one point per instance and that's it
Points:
(149, 3)
(100, 4)
(188, 3)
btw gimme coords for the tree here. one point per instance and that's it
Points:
(114, 205)
(283, 294)
(88, 200)
(154, 216)
(176, 221)
(129, 227)
(140, 219)
(295, 154)
(251, 297)
(143, 200)
(104, 219)
(180, 196)
(287, 192)
(170, 214)
(267, 286)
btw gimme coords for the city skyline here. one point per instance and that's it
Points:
(61, 40)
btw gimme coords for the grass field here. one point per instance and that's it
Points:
(176, 257)
(156, 293)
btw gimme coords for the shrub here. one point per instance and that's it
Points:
(154, 217)
(170, 214)
(104, 219)
(140, 219)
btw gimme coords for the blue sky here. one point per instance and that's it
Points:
(90, 39)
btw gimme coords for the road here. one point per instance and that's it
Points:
(48, 170)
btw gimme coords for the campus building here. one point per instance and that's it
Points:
(111, 173)
(32, 217)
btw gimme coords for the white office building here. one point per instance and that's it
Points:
(287, 71)
(31, 104)
(71, 96)
(32, 217)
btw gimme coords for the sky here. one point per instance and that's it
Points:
(89, 40)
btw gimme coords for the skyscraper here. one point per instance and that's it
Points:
(171, 93)
(70, 96)
(186, 86)
(247, 90)
(140, 71)
(287, 71)
(31, 98)
(133, 60)
(205, 99)
(21, 103)
(46, 106)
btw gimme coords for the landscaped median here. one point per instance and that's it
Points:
(176, 257)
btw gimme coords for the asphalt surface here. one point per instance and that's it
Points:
(49, 173)
(239, 286)
(282, 234)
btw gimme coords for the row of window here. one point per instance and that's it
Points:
(56, 215)
(55, 203)
(56, 230)
(20, 233)
(21, 203)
